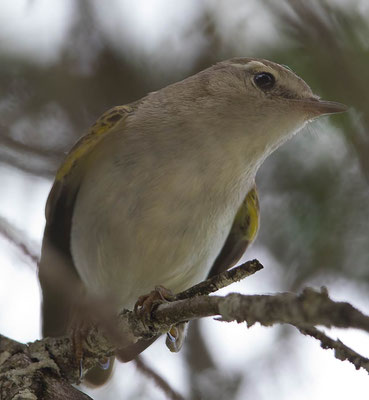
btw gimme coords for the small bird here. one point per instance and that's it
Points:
(162, 191)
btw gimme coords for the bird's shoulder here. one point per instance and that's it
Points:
(70, 172)
(101, 128)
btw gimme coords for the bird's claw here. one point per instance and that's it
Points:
(176, 336)
(147, 303)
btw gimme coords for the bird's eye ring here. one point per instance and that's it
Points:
(264, 80)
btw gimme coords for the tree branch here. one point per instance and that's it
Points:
(15, 236)
(54, 358)
(341, 351)
(149, 372)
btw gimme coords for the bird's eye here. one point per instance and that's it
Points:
(264, 80)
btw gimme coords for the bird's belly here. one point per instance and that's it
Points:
(165, 227)
(127, 261)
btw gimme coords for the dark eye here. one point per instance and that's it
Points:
(264, 80)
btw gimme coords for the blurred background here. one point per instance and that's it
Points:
(63, 63)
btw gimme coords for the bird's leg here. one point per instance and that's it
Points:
(84, 318)
(147, 303)
(79, 329)
(102, 370)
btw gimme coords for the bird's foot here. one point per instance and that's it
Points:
(147, 303)
(82, 323)
(176, 336)
(78, 334)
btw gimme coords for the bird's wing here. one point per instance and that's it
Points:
(242, 233)
(58, 277)
(57, 274)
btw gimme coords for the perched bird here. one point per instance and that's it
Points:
(162, 191)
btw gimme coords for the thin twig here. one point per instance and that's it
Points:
(341, 351)
(14, 235)
(161, 382)
(31, 149)
(221, 280)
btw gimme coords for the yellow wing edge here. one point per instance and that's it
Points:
(97, 132)
(243, 232)
(252, 209)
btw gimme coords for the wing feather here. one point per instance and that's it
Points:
(242, 233)
(56, 268)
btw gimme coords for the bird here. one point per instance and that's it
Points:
(162, 191)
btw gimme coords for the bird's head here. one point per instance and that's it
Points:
(250, 104)
(266, 101)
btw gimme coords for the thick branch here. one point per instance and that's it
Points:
(55, 357)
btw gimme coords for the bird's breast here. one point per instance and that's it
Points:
(136, 227)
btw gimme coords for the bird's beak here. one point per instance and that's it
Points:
(317, 107)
